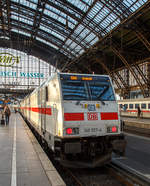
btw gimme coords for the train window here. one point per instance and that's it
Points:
(46, 93)
(143, 106)
(136, 106)
(148, 105)
(120, 105)
(125, 106)
(131, 106)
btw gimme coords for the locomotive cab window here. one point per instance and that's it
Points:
(143, 106)
(86, 88)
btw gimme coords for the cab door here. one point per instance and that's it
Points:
(39, 108)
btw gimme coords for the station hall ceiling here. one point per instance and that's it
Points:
(60, 31)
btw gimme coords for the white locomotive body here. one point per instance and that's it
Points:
(77, 115)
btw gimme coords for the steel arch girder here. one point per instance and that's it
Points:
(118, 54)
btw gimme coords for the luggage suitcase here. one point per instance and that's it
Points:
(2, 120)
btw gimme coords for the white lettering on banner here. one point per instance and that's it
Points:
(21, 74)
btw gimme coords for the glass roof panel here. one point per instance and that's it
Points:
(72, 24)
(26, 3)
(135, 5)
(21, 18)
(81, 51)
(46, 42)
(83, 5)
(21, 32)
(68, 42)
(94, 41)
(84, 33)
(34, 1)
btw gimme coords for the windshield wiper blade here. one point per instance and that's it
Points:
(101, 100)
(100, 95)
(110, 96)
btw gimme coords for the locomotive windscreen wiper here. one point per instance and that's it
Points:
(110, 96)
(102, 93)
(99, 98)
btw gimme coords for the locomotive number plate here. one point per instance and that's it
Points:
(92, 116)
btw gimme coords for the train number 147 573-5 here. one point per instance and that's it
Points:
(92, 130)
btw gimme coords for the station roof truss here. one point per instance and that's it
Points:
(125, 47)
(62, 32)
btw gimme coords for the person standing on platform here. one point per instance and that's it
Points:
(7, 114)
(139, 112)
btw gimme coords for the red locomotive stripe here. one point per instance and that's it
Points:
(47, 111)
(109, 116)
(73, 116)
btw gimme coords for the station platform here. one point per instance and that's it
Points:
(137, 157)
(136, 122)
(22, 160)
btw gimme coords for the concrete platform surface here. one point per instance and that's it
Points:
(137, 122)
(137, 156)
(22, 160)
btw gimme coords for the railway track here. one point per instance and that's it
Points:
(109, 175)
(126, 176)
(91, 177)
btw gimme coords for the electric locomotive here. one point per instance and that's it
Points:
(77, 115)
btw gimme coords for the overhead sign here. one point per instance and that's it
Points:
(8, 60)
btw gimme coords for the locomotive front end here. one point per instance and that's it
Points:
(91, 127)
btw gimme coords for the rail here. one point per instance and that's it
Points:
(127, 176)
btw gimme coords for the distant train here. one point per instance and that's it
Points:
(129, 107)
(77, 116)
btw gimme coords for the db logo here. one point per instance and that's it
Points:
(92, 116)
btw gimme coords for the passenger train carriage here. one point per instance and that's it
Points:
(78, 117)
(129, 107)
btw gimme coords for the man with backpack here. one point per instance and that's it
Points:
(7, 113)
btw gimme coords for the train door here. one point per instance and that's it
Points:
(29, 109)
(43, 109)
(39, 108)
(55, 113)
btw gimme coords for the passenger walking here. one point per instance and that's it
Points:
(7, 113)
(139, 112)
